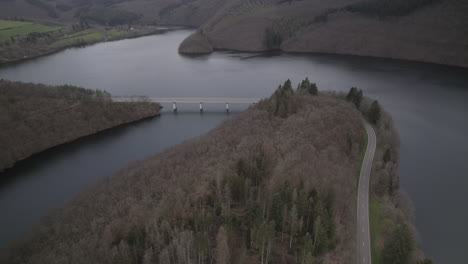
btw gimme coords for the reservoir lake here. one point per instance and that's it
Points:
(428, 102)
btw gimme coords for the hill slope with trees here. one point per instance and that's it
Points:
(108, 12)
(421, 30)
(35, 117)
(274, 184)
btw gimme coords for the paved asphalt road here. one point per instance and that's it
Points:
(363, 233)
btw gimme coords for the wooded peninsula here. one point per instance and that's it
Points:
(276, 183)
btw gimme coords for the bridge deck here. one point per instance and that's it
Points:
(190, 100)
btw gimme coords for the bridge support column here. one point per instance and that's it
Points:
(174, 107)
(227, 107)
(201, 107)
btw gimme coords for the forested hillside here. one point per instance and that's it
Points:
(35, 117)
(274, 184)
(421, 30)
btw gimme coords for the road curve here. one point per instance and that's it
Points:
(363, 233)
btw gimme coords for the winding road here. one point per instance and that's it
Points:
(363, 233)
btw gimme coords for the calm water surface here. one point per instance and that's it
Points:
(429, 104)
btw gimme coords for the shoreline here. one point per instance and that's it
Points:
(69, 113)
(4, 181)
(167, 28)
(275, 52)
(199, 43)
(157, 31)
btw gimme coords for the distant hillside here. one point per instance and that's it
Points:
(21, 8)
(422, 30)
(112, 12)
(21, 39)
(36, 117)
(274, 184)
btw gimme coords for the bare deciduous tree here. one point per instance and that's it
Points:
(222, 247)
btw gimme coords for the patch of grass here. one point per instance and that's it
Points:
(82, 33)
(84, 36)
(378, 224)
(12, 24)
(115, 33)
(376, 221)
(24, 29)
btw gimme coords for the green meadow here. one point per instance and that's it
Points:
(81, 36)
(10, 29)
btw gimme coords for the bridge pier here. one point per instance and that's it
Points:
(201, 101)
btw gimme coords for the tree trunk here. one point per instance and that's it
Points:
(284, 221)
(290, 240)
(263, 249)
(268, 251)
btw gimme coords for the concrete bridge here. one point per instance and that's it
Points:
(200, 101)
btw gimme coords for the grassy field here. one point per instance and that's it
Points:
(11, 24)
(10, 29)
(111, 33)
(87, 35)
(30, 43)
(376, 222)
